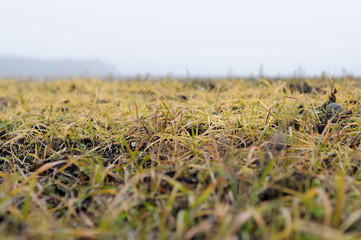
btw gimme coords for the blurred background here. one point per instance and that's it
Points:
(52, 38)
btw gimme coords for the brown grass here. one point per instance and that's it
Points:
(169, 159)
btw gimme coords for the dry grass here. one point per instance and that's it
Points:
(162, 159)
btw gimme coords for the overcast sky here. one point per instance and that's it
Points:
(204, 36)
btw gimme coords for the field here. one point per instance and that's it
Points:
(171, 159)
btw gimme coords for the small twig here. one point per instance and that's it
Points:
(268, 114)
(145, 128)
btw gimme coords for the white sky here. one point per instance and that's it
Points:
(206, 37)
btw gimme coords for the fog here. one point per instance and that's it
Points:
(203, 38)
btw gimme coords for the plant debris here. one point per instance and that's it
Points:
(171, 159)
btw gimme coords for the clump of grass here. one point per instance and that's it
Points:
(168, 159)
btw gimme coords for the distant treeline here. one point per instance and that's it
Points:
(17, 67)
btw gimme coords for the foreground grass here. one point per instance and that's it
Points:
(228, 159)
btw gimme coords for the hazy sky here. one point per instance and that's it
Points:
(204, 36)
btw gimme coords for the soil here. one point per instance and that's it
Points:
(297, 181)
